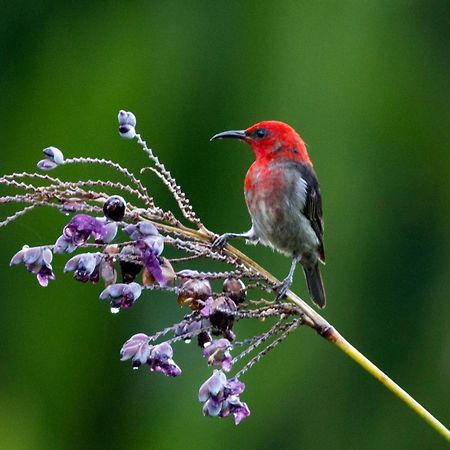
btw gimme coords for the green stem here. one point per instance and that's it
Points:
(324, 329)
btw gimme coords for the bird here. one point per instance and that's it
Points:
(284, 201)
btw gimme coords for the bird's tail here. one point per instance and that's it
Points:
(315, 285)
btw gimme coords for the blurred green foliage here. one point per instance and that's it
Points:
(367, 86)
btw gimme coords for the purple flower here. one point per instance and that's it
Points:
(91, 267)
(190, 328)
(80, 228)
(160, 360)
(218, 354)
(37, 260)
(150, 249)
(151, 244)
(158, 357)
(121, 295)
(136, 348)
(220, 397)
(234, 406)
(141, 230)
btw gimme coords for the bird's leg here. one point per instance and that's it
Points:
(286, 283)
(221, 241)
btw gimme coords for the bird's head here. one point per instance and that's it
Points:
(271, 140)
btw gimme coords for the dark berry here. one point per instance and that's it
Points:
(114, 208)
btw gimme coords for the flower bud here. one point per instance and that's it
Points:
(54, 154)
(127, 131)
(127, 123)
(114, 208)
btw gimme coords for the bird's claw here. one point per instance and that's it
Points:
(282, 288)
(220, 241)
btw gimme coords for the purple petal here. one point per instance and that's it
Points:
(153, 265)
(218, 354)
(239, 409)
(113, 291)
(18, 257)
(234, 387)
(212, 386)
(32, 255)
(109, 231)
(212, 407)
(63, 245)
(46, 164)
(47, 255)
(138, 348)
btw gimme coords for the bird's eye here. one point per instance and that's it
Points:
(261, 133)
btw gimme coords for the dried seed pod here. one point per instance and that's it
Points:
(194, 292)
(221, 314)
(129, 268)
(235, 289)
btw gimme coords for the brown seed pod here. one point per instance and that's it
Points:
(194, 292)
(235, 289)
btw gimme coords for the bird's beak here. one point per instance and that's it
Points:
(236, 134)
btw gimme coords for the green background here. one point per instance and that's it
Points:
(367, 86)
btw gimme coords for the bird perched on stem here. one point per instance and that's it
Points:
(283, 198)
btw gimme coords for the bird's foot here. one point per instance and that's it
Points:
(221, 241)
(283, 287)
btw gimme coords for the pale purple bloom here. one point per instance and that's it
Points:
(190, 328)
(136, 348)
(220, 397)
(151, 244)
(121, 295)
(80, 228)
(233, 405)
(91, 267)
(160, 360)
(218, 354)
(159, 357)
(141, 230)
(213, 387)
(151, 248)
(37, 260)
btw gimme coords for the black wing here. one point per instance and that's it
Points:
(313, 204)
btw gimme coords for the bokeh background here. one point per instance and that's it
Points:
(365, 83)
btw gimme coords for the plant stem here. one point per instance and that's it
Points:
(324, 329)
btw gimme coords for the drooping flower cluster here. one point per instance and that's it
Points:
(214, 301)
(220, 397)
(158, 357)
(37, 260)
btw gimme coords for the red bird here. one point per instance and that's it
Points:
(283, 198)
